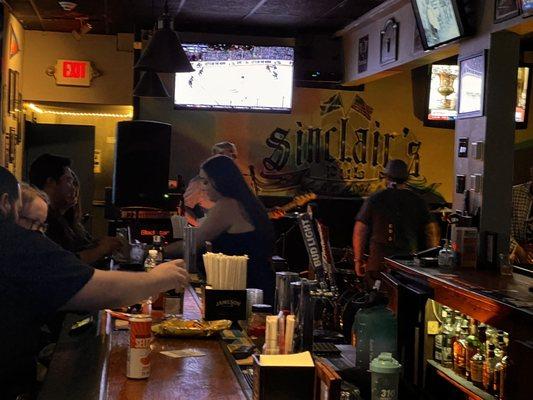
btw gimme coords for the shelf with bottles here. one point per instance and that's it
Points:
(464, 348)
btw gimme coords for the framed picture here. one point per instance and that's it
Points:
(12, 90)
(20, 118)
(527, 7)
(327, 383)
(438, 21)
(362, 51)
(472, 85)
(505, 9)
(389, 42)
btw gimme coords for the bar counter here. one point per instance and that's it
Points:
(97, 368)
(501, 301)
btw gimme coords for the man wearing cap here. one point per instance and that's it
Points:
(392, 221)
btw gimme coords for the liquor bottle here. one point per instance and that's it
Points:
(445, 257)
(501, 347)
(151, 261)
(437, 352)
(500, 370)
(459, 352)
(157, 245)
(447, 336)
(488, 370)
(476, 369)
(482, 337)
(472, 347)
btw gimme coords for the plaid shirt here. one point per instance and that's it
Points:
(521, 203)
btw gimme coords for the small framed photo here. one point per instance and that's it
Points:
(505, 9)
(12, 90)
(389, 42)
(472, 85)
(362, 51)
(327, 383)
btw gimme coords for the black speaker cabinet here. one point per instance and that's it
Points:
(142, 155)
(318, 60)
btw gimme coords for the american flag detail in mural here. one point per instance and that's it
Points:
(361, 107)
(331, 104)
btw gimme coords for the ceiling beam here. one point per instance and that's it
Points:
(338, 5)
(180, 6)
(256, 7)
(36, 10)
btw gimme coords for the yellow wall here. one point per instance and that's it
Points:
(105, 134)
(194, 132)
(111, 55)
(393, 104)
(9, 121)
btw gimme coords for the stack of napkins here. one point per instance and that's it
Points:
(287, 360)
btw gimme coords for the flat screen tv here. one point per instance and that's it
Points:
(441, 103)
(237, 78)
(438, 21)
(523, 86)
(442, 97)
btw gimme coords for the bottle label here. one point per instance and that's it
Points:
(476, 372)
(447, 354)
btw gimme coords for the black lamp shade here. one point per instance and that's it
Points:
(164, 54)
(150, 85)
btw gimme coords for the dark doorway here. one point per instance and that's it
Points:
(73, 141)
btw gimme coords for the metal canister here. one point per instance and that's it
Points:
(173, 302)
(283, 289)
(138, 363)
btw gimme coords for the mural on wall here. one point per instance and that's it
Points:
(343, 156)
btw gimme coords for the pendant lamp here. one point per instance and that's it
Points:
(164, 52)
(150, 85)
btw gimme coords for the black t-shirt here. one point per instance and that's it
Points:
(37, 277)
(396, 219)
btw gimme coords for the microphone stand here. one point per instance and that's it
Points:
(283, 239)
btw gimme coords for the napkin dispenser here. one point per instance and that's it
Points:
(282, 383)
(224, 304)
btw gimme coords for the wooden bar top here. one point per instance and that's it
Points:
(196, 378)
(502, 301)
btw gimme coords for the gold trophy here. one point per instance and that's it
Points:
(446, 80)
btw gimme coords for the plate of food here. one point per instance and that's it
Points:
(182, 327)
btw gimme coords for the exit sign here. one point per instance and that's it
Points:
(73, 73)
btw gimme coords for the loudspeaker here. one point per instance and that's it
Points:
(318, 59)
(142, 154)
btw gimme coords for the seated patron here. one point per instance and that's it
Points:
(521, 243)
(34, 209)
(39, 278)
(53, 175)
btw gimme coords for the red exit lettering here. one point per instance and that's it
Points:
(74, 69)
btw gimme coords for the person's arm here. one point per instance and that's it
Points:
(359, 240)
(217, 221)
(109, 289)
(105, 247)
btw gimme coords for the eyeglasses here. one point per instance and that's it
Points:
(35, 225)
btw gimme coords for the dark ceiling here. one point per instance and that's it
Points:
(255, 17)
